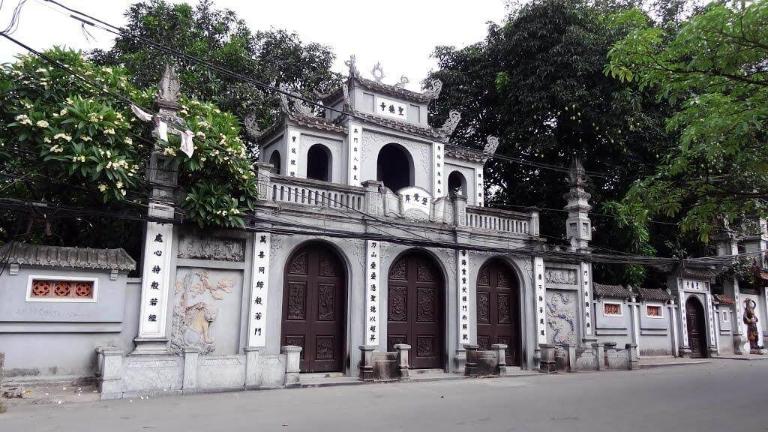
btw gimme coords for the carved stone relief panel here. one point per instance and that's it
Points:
(211, 248)
(561, 316)
(561, 278)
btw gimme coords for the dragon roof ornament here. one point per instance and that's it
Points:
(454, 117)
(492, 143)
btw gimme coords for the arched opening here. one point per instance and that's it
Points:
(274, 160)
(319, 163)
(498, 309)
(314, 307)
(415, 306)
(457, 184)
(394, 167)
(697, 329)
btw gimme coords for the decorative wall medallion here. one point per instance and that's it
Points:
(211, 248)
(561, 316)
(196, 310)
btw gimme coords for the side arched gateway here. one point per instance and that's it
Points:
(697, 328)
(314, 307)
(415, 309)
(498, 308)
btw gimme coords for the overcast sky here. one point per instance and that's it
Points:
(401, 34)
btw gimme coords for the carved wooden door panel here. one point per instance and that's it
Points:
(314, 308)
(415, 309)
(498, 309)
(697, 336)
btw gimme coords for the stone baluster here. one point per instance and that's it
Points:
(501, 356)
(292, 365)
(459, 210)
(366, 362)
(402, 360)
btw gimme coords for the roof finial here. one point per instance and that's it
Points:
(403, 82)
(353, 72)
(168, 88)
(434, 91)
(377, 72)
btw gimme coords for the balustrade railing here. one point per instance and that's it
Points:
(501, 220)
(315, 193)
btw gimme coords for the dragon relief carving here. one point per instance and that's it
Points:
(194, 312)
(435, 89)
(454, 117)
(298, 105)
(491, 145)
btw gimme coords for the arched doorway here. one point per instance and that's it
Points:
(314, 307)
(319, 163)
(415, 309)
(274, 159)
(697, 329)
(498, 309)
(394, 167)
(457, 184)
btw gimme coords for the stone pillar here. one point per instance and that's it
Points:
(599, 350)
(252, 367)
(673, 328)
(533, 227)
(158, 237)
(578, 224)
(634, 309)
(539, 312)
(264, 178)
(459, 210)
(685, 350)
(374, 199)
(571, 350)
(366, 362)
(111, 382)
(632, 356)
(547, 362)
(714, 338)
(402, 360)
(470, 367)
(372, 292)
(501, 356)
(355, 137)
(586, 299)
(463, 312)
(292, 365)
(191, 360)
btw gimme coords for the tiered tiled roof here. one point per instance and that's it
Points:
(723, 299)
(611, 291)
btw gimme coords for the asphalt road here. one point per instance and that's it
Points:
(723, 396)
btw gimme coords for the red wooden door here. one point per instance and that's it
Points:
(314, 308)
(697, 333)
(498, 309)
(415, 309)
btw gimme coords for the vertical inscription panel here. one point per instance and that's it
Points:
(155, 282)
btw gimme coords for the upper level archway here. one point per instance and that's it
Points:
(394, 167)
(319, 163)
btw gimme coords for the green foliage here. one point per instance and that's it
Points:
(714, 71)
(66, 143)
(537, 82)
(220, 37)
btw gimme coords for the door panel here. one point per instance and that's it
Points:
(314, 308)
(415, 309)
(498, 309)
(697, 334)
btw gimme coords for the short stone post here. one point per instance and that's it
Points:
(547, 363)
(191, 360)
(402, 360)
(610, 353)
(99, 360)
(459, 210)
(252, 367)
(470, 367)
(110, 384)
(2, 369)
(599, 350)
(533, 227)
(571, 349)
(292, 365)
(374, 200)
(366, 362)
(264, 180)
(632, 356)
(501, 356)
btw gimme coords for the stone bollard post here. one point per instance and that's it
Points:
(374, 200)
(501, 355)
(191, 360)
(264, 180)
(252, 367)
(571, 363)
(292, 365)
(470, 367)
(366, 362)
(632, 357)
(459, 210)
(402, 360)
(609, 354)
(110, 384)
(547, 363)
(599, 350)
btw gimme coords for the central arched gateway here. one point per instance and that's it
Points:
(415, 309)
(314, 307)
(498, 309)
(697, 328)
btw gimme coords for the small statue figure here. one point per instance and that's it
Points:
(750, 319)
(168, 88)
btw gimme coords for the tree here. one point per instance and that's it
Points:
(220, 37)
(66, 143)
(714, 73)
(538, 82)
